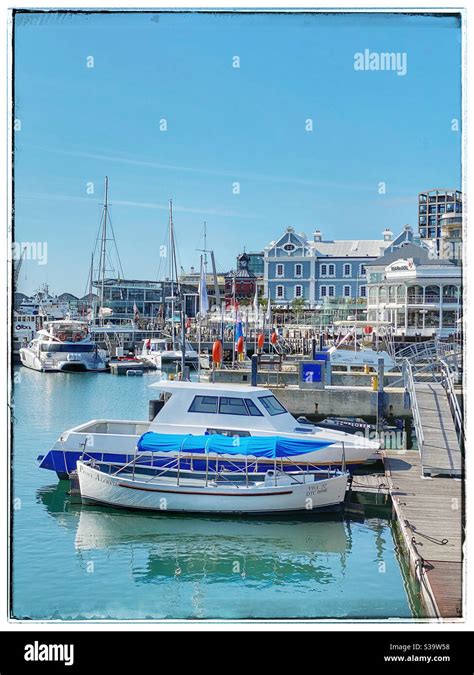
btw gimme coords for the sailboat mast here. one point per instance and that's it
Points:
(103, 247)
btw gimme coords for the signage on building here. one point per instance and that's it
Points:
(401, 265)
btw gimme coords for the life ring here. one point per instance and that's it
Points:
(77, 337)
(61, 337)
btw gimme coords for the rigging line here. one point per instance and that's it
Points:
(120, 268)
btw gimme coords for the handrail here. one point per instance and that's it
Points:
(410, 386)
(447, 383)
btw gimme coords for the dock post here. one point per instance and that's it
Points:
(254, 374)
(380, 396)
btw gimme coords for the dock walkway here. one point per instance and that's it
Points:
(440, 453)
(429, 512)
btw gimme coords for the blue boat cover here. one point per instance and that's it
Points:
(256, 446)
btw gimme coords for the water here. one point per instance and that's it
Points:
(76, 562)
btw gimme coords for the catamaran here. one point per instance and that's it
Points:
(64, 346)
(204, 409)
(217, 492)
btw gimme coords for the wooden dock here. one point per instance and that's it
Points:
(440, 453)
(429, 511)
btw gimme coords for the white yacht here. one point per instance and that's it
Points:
(45, 304)
(161, 352)
(64, 345)
(198, 409)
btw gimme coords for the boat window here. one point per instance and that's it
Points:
(232, 406)
(253, 410)
(204, 404)
(67, 347)
(272, 405)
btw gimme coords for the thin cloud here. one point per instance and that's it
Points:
(211, 211)
(236, 174)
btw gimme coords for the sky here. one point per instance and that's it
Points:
(224, 126)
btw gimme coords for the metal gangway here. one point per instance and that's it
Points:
(437, 419)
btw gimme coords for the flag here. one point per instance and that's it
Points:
(203, 299)
(255, 301)
(238, 327)
(268, 315)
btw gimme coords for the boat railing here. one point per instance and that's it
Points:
(225, 472)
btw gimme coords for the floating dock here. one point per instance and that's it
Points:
(429, 511)
(121, 367)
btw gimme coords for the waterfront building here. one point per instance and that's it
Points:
(256, 263)
(432, 205)
(241, 283)
(451, 237)
(417, 292)
(317, 270)
(152, 298)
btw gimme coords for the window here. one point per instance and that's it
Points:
(272, 405)
(289, 248)
(324, 270)
(323, 291)
(58, 347)
(298, 291)
(298, 270)
(280, 270)
(204, 404)
(232, 406)
(332, 270)
(280, 292)
(253, 410)
(347, 291)
(363, 291)
(347, 270)
(331, 291)
(362, 271)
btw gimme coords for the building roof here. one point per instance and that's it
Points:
(364, 248)
(420, 255)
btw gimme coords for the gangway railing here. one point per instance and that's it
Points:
(456, 412)
(409, 382)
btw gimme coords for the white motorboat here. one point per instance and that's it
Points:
(276, 492)
(64, 346)
(161, 352)
(358, 349)
(202, 409)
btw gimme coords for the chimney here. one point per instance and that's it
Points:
(317, 236)
(192, 270)
(387, 234)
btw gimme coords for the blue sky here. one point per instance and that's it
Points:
(224, 125)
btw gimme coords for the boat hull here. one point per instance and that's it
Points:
(30, 360)
(98, 487)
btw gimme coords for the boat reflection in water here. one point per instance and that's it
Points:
(199, 541)
(153, 566)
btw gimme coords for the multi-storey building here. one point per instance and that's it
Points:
(432, 205)
(417, 292)
(316, 270)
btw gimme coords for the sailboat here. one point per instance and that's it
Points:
(173, 348)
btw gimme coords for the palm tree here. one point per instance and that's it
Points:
(297, 305)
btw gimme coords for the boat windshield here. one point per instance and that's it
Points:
(64, 347)
(272, 405)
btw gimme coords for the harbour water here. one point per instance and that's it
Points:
(74, 562)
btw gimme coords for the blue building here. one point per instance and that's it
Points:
(315, 270)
